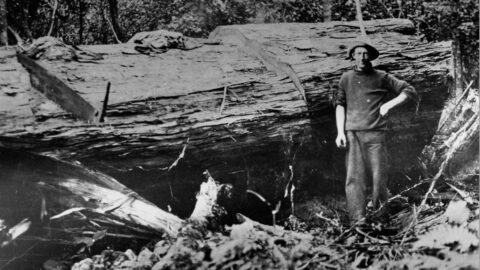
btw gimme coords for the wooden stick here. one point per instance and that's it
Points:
(103, 112)
(119, 235)
(222, 106)
(182, 155)
(380, 241)
(464, 94)
(277, 230)
(456, 105)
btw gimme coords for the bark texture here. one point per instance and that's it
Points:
(239, 105)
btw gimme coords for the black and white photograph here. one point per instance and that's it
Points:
(239, 134)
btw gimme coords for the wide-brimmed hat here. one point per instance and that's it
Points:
(371, 50)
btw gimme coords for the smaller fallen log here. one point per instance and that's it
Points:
(74, 205)
(69, 195)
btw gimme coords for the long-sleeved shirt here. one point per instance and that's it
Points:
(362, 94)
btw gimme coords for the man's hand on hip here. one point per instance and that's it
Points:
(384, 109)
(341, 140)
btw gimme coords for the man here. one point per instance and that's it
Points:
(361, 117)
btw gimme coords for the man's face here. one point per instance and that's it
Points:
(361, 57)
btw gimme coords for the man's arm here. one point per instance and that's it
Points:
(340, 105)
(341, 140)
(405, 91)
(401, 98)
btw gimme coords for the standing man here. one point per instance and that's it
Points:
(361, 117)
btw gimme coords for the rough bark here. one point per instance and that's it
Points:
(241, 114)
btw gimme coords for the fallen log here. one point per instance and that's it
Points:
(71, 205)
(60, 191)
(240, 108)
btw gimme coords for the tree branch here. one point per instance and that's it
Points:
(113, 29)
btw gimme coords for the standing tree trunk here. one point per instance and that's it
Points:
(327, 12)
(81, 6)
(31, 17)
(3, 23)
(113, 7)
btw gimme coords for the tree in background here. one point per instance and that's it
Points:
(457, 21)
(3, 23)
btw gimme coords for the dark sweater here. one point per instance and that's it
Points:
(362, 94)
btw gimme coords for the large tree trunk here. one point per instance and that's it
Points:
(246, 109)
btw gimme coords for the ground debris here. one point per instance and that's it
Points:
(445, 236)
